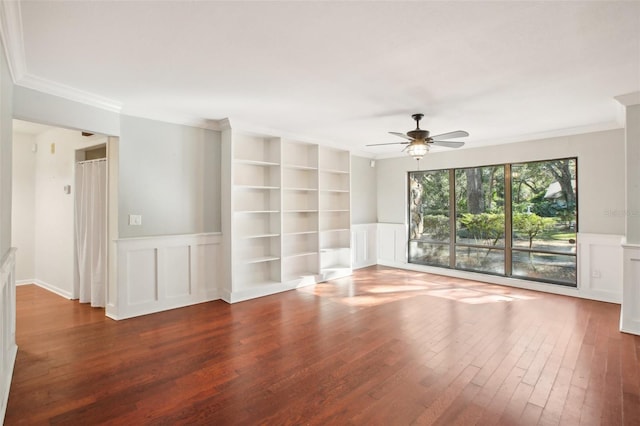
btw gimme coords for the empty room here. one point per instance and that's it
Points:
(320, 212)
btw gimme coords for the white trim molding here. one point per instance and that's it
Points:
(12, 36)
(54, 88)
(165, 272)
(53, 289)
(629, 99)
(364, 242)
(630, 312)
(600, 267)
(11, 31)
(7, 326)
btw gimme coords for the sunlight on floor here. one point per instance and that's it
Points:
(414, 284)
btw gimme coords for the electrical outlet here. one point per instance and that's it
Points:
(596, 273)
(135, 220)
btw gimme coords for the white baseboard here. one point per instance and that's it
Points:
(148, 309)
(510, 282)
(630, 326)
(364, 265)
(25, 282)
(53, 289)
(258, 291)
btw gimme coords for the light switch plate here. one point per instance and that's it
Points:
(135, 220)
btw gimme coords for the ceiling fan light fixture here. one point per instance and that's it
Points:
(418, 150)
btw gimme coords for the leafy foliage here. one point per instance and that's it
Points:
(484, 226)
(530, 225)
(437, 226)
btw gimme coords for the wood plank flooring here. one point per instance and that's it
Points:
(384, 347)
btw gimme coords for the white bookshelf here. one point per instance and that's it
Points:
(300, 257)
(334, 224)
(256, 228)
(289, 214)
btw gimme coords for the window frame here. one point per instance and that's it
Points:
(508, 249)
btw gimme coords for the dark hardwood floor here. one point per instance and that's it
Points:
(385, 346)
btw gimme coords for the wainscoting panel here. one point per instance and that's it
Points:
(7, 326)
(364, 245)
(205, 269)
(600, 261)
(630, 315)
(166, 272)
(141, 271)
(176, 272)
(392, 244)
(600, 267)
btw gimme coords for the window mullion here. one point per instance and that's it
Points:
(452, 218)
(508, 232)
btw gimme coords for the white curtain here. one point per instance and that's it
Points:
(91, 230)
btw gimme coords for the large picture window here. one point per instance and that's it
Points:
(516, 220)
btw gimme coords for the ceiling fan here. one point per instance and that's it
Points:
(418, 140)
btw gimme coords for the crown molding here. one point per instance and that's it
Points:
(13, 41)
(248, 127)
(11, 32)
(629, 99)
(71, 93)
(223, 124)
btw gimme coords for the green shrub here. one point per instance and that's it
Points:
(530, 225)
(484, 226)
(436, 226)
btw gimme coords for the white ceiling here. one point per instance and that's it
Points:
(347, 72)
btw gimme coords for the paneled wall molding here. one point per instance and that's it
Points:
(364, 245)
(630, 312)
(165, 272)
(392, 244)
(7, 326)
(600, 267)
(599, 270)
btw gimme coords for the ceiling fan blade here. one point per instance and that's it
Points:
(390, 143)
(456, 134)
(402, 135)
(448, 144)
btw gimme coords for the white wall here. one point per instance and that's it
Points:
(39, 107)
(601, 180)
(6, 113)
(363, 191)
(169, 174)
(23, 206)
(632, 211)
(8, 348)
(54, 209)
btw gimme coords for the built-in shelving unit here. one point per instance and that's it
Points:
(289, 221)
(300, 212)
(256, 211)
(335, 212)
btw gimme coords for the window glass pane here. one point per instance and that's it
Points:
(489, 260)
(543, 266)
(544, 205)
(429, 205)
(480, 206)
(429, 254)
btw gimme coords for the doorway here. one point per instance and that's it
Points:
(90, 225)
(44, 192)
